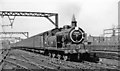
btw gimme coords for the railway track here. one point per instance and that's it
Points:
(87, 65)
(61, 63)
(90, 65)
(113, 64)
(105, 51)
(3, 56)
(107, 54)
(44, 62)
(75, 65)
(14, 64)
(54, 63)
(27, 59)
(24, 63)
(47, 63)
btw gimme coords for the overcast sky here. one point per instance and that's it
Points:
(92, 15)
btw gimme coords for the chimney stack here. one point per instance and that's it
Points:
(74, 22)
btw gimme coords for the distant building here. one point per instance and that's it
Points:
(98, 40)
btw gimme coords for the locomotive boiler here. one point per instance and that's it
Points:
(65, 43)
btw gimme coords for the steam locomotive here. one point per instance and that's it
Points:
(65, 43)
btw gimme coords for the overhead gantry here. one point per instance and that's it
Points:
(30, 14)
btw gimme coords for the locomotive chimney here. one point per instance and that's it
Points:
(74, 22)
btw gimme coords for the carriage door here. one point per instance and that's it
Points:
(59, 41)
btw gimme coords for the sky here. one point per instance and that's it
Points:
(93, 16)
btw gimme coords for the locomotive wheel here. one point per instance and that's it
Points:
(59, 56)
(65, 58)
(49, 55)
(53, 55)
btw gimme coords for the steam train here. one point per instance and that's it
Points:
(65, 43)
